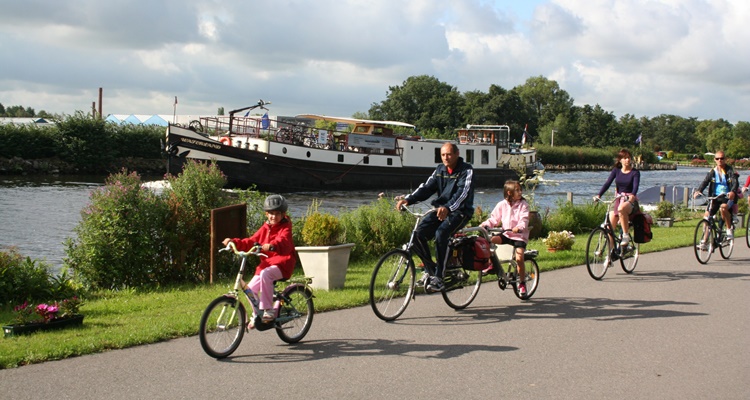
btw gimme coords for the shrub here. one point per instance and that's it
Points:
(190, 199)
(321, 229)
(376, 228)
(576, 218)
(664, 209)
(23, 279)
(120, 239)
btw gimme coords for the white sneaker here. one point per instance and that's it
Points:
(625, 240)
(606, 262)
(730, 234)
(702, 246)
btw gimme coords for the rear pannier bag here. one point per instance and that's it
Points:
(472, 251)
(642, 227)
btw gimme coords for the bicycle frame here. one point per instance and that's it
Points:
(709, 235)
(603, 246)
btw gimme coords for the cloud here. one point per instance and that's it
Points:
(640, 57)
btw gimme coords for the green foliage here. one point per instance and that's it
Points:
(376, 228)
(130, 236)
(120, 239)
(90, 145)
(85, 142)
(574, 218)
(664, 209)
(321, 229)
(23, 279)
(191, 197)
(576, 155)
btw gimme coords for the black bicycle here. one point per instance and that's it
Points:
(709, 236)
(603, 248)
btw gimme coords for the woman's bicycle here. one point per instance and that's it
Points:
(603, 247)
(224, 321)
(709, 235)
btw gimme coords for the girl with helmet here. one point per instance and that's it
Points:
(275, 238)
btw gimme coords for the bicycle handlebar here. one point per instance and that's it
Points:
(256, 250)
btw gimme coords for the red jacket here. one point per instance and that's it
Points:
(280, 237)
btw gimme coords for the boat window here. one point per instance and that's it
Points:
(438, 159)
(366, 160)
(283, 150)
(341, 158)
(485, 157)
(470, 156)
(308, 154)
(390, 161)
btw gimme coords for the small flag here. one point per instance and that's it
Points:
(247, 113)
(523, 138)
(640, 137)
(264, 121)
(175, 100)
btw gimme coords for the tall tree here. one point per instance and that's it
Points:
(424, 101)
(545, 98)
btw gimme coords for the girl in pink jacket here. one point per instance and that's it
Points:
(513, 215)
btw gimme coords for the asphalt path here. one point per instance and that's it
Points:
(674, 329)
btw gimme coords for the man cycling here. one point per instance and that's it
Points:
(722, 182)
(452, 183)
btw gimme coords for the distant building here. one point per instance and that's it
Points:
(153, 119)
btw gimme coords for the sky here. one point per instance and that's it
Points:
(336, 57)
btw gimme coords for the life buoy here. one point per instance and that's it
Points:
(225, 140)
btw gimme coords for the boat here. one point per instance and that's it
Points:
(289, 154)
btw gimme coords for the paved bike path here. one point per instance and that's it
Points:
(674, 329)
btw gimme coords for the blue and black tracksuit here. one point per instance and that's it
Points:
(455, 191)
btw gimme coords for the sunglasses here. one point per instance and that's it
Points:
(718, 158)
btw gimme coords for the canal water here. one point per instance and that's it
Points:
(38, 214)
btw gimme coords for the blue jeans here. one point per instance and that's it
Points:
(433, 228)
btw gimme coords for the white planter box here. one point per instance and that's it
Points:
(665, 222)
(327, 265)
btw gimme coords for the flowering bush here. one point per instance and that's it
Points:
(27, 313)
(559, 240)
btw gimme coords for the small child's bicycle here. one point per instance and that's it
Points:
(224, 321)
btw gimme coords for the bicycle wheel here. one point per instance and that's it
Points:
(295, 313)
(222, 326)
(392, 285)
(726, 247)
(598, 251)
(461, 287)
(629, 260)
(532, 279)
(747, 232)
(703, 241)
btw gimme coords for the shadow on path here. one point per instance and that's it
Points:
(324, 349)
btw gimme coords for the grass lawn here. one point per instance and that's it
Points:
(115, 320)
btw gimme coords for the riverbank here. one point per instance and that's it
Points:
(605, 167)
(56, 166)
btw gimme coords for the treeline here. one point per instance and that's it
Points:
(21, 112)
(438, 108)
(84, 144)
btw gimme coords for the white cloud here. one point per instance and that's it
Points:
(642, 57)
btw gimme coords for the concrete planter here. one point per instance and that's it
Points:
(327, 265)
(665, 222)
(13, 330)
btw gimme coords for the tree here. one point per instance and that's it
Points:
(597, 128)
(220, 111)
(424, 101)
(545, 98)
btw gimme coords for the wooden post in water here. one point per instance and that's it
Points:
(685, 194)
(226, 222)
(570, 197)
(662, 193)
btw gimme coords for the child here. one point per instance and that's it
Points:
(275, 238)
(512, 214)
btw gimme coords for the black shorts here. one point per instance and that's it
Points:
(716, 203)
(515, 243)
